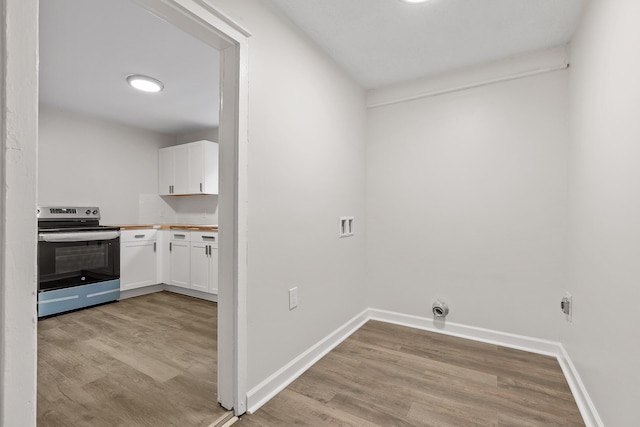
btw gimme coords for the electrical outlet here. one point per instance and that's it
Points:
(566, 305)
(293, 298)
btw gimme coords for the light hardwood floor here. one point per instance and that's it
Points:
(144, 361)
(388, 375)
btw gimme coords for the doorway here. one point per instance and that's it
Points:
(19, 56)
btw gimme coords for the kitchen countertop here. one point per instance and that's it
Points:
(198, 227)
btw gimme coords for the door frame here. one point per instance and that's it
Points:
(18, 161)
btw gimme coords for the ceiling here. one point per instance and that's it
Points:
(382, 42)
(88, 47)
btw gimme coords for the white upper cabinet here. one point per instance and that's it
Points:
(203, 167)
(188, 169)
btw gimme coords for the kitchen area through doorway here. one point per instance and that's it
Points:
(148, 161)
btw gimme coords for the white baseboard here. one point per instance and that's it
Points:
(191, 293)
(141, 291)
(583, 400)
(520, 342)
(263, 392)
(163, 287)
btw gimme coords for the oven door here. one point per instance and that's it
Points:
(75, 258)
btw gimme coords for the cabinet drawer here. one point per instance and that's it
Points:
(141, 235)
(181, 235)
(208, 237)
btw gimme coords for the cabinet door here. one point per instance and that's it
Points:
(210, 167)
(179, 255)
(200, 266)
(203, 167)
(188, 169)
(165, 171)
(181, 169)
(138, 264)
(213, 270)
(196, 168)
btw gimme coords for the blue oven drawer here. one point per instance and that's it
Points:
(61, 300)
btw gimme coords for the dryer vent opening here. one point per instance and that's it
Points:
(440, 309)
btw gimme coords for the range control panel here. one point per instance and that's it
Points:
(62, 212)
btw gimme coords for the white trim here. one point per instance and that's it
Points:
(152, 289)
(145, 290)
(521, 66)
(583, 400)
(267, 389)
(519, 342)
(18, 199)
(469, 86)
(203, 21)
(191, 293)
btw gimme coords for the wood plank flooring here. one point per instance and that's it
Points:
(389, 375)
(144, 361)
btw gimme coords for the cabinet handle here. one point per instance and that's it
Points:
(201, 187)
(209, 238)
(180, 236)
(170, 246)
(154, 246)
(139, 236)
(206, 250)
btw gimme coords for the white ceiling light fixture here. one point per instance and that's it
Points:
(145, 83)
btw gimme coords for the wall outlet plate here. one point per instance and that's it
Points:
(293, 298)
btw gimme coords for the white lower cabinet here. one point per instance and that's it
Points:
(183, 258)
(213, 271)
(204, 261)
(194, 260)
(179, 259)
(138, 258)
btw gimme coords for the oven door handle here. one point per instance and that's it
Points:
(83, 236)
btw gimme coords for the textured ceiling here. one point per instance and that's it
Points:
(381, 42)
(88, 47)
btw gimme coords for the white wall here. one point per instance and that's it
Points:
(466, 202)
(306, 169)
(605, 208)
(86, 161)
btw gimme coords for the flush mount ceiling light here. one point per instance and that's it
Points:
(145, 83)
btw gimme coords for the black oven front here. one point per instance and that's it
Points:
(74, 258)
